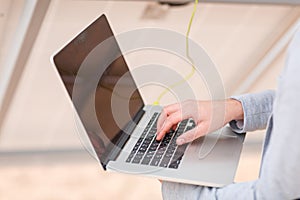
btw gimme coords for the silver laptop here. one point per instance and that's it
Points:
(122, 129)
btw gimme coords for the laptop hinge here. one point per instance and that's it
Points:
(114, 149)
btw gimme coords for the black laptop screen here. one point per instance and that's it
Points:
(97, 79)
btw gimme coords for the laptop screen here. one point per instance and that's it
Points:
(97, 79)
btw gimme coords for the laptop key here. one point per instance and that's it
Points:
(168, 155)
(165, 161)
(139, 154)
(147, 142)
(130, 157)
(136, 160)
(160, 152)
(146, 161)
(163, 164)
(143, 149)
(138, 142)
(154, 146)
(158, 156)
(154, 162)
(174, 165)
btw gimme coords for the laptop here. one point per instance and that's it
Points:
(121, 129)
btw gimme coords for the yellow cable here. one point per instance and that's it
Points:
(187, 77)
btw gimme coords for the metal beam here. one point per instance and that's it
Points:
(279, 2)
(182, 2)
(25, 35)
(179, 2)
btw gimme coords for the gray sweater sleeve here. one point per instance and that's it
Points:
(257, 110)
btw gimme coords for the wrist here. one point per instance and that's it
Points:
(234, 110)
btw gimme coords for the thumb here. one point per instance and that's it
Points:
(191, 135)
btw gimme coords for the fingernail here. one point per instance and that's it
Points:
(157, 137)
(180, 141)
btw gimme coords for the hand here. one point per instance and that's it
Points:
(208, 116)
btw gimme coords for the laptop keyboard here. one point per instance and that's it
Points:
(164, 153)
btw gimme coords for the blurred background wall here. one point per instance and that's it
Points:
(41, 156)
